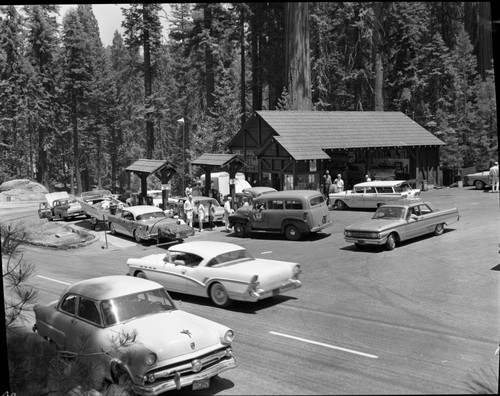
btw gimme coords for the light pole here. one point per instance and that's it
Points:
(181, 120)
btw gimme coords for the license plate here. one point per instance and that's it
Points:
(201, 384)
(361, 242)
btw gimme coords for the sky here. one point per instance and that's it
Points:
(109, 17)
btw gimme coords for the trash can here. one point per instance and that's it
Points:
(424, 185)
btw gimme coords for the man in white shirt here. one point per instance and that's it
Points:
(494, 178)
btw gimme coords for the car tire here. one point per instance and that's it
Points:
(341, 205)
(391, 242)
(239, 230)
(292, 233)
(219, 296)
(140, 274)
(479, 185)
(439, 229)
(112, 229)
(136, 236)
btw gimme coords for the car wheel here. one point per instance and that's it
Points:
(479, 185)
(136, 236)
(218, 295)
(50, 218)
(439, 229)
(292, 233)
(140, 274)
(112, 229)
(341, 205)
(239, 230)
(391, 242)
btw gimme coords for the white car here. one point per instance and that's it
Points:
(480, 180)
(131, 329)
(374, 194)
(218, 270)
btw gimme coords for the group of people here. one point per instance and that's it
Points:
(191, 207)
(332, 187)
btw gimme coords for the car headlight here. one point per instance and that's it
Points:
(229, 336)
(150, 359)
(347, 233)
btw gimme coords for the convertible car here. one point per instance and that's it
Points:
(131, 329)
(147, 222)
(218, 270)
(394, 223)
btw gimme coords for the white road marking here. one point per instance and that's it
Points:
(268, 252)
(54, 280)
(325, 345)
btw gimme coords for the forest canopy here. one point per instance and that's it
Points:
(75, 114)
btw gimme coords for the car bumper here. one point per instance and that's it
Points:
(322, 227)
(254, 296)
(186, 380)
(366, 241)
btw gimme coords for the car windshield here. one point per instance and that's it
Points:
(389, 212)
(151, 215)
(124, 308)
(403, 187)
(230, 258)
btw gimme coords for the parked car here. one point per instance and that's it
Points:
(218, 270)
(373, 194)
(251, 193)
(480, 180)
(394, 223)
(294, 213)
(132, 330)
(145, 222)
(59, 205)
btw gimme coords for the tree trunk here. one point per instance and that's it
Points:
(242, 75)
(256, 59)
(297, 60)
(148, 81)
(76, 151)
(209, 62)
(378, 68)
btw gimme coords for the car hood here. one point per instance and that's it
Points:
(174, 333)
(375, 225)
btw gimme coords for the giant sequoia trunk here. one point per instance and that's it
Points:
(148, 82)
(297, 60)
(378, 68)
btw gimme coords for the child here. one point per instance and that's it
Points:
(200, 209)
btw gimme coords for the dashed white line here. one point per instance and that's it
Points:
(325, 345)
(268, 252)
(54, 280)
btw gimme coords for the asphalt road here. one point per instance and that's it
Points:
(422, 318)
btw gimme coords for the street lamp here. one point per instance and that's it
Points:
(181, 120)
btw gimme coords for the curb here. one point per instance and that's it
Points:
(94, 239)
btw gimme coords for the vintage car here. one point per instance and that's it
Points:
(480, 180)
(251, 193)
(146, 222)
(131, 330)
(218, 270)
(394, 223)
(372, 194)
(177, 206)
(294, 213)
(59, 205)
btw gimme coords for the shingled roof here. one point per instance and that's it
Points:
(220, 160)
(148, 166)
(306, 134)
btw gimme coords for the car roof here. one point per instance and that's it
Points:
(258, 190)
(201, 248)
(405, 204)
(289, 194)
(381, 183)
(141, 209)
(105, 287)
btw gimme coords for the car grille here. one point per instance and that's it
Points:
(363, 234)
(185, 368)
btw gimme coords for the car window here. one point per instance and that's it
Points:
(424, 209)
(128, 216)
(370, 190)
(388, 212)
(293, 204)
(181, 258)
(87, 310)
(230, 257)
(151, 215)
(384, 190)
(69, 304)
(317, 200)
(275, 204)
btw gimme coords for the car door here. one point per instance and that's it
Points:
(259, 214)
(173, 272)
(369, 199)
(63, 320)
(124, 223)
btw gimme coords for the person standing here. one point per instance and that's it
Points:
(200, 210)
(340, 183)
(368, 178)
(327, 182)
(227, 211)
(189, 210)
(494, 178)
(211, 213)
(245, 202)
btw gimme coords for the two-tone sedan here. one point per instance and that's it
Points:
(480, 180)
(218, 270)
(147, 222)
(394, 223)
(131, 330)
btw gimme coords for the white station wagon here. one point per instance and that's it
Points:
(374, 194)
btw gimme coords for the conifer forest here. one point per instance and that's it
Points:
(74, 114)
